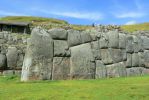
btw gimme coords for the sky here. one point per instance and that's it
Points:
(81, 11)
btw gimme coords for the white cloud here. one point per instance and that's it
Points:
(130, 23)
(6, 13)
(79, 15)
(130, 15)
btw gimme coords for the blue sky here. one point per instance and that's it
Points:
(81, 11)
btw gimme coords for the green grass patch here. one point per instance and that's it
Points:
(47, 23)
(136, 27)
(132, 88)
(35, 20)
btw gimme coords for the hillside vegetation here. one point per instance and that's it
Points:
(47, 23)
(136, 27)
(131, 88)
(34, 20)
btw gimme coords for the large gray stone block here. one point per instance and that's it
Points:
(110, 55)
(145, 42)
(61, 48)
(136, 44)
(146, 58)
(1, 35)
(61, 68)
(101, 71)
(134, 71)
(58, 34)
(145, 71)
(117, 55)
(3, 61)
(140, 44)
(20, 60)
(17, 72)
(81, 62)
(12, 56)
(113, 39)
(135, 60)
(93, 37)
(106, 56)
(85, 36)
(104, 40)
(2, 41)
(116, 70)
(141, 59)
(37, 63)
(8, 72)
(129, 44)
(96, 50)
(129, 60)
(122, 41)
(124, 54)
(74, 38)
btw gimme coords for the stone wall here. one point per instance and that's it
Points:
(59, 54)
(12, 51)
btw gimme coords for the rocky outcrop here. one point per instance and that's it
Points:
(82, 64)
(12, 51)
(38, 63)
(59, 54)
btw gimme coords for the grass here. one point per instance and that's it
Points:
(136, 27)
(49, 23)
(132, 88)
(35, 20)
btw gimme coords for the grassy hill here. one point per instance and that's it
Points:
(47, 23)
(131, 88)
(136, 27)
(34, 20)
(56, 23)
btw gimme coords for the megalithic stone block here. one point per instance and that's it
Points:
(82, 64)
(37, 63)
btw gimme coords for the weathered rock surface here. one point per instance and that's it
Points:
(81, 62)
(106, 56)
(101, 71)
(74, 38)
(85, 36)
(37, 63)
(146, 58)
(141, 59)
(61, 48)
(60, 54)
(122, 41)
(117, 55)
(145, 42)
(113, 39)
(134, 71)
(96, 50)
(61, 68)
(8, 72)
(104, 40)
(129, 60)
(3, 62)
(135, 60)
(116, 70)
(12, 56)
(58, 34)
(20, 60)
(129, 42)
